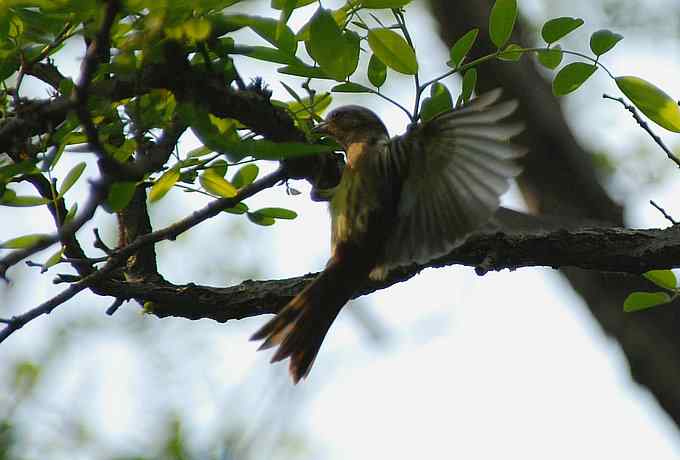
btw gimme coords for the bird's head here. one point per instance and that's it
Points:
(351, 124)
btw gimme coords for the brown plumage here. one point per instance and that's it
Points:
(409, 199)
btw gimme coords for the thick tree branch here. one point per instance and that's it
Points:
(133, 220)
(603, 249)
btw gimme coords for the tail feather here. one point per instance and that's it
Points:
(301, 326)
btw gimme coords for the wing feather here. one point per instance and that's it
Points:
(454, 170)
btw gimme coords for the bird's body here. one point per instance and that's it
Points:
(402, 200)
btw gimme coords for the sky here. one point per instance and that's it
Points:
(506, 365)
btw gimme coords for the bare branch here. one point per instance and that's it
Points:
(663, 212)
(644, 125)
(15, 323)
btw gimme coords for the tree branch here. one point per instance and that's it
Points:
(644, 125)
(189, 84)
(118, 256)
(605, 249)
(133, 220)
(99, 188)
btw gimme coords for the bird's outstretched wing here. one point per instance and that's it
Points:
(454, 168)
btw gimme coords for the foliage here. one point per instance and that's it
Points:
(664, 279)
(35, 31)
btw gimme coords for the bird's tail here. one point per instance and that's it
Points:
(301, 326)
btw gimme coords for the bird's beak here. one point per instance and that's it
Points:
(321, 128)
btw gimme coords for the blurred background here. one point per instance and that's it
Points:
(446, 365)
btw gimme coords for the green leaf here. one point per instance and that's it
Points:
(502, 21)
(337, 52)
(603, 40)
(259, 219)
(304, 71)
(217, 134)
(240, 208)
(392, 49)
(245, 176)
(25, 241)
(280, 4)
(571, 77)
(462, 47)
(551, 58)
(53, 260)
(339, 15)
(214, 183)
(557, 28)
(268, 150)
(10, 63)
(376, 4)
(439, 101)
(120, 194)
(71, 213)
(377, 71)
(25, 375)
(265, 53)
(220, 167)
(637, 301)
(302, 108)
(350, 88)
(66, 86)
(163, 184)
(267, 28)
(291, 91)
(662, 278)
(20, 201)
(276, 213)
(286, 11)
(197, 29)
(652, 101)
(71, 178)
(469, 84)
(512, 53)
(15, 169)
(199, 152)
(151, 110)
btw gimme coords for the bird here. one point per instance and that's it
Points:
(402, 200)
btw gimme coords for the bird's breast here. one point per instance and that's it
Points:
(360, 209)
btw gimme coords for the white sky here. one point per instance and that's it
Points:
(506, 365)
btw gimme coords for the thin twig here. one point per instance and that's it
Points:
(663, 212)
(644, 125)
(399, 16)
(88, 71)
(114, 306)
(97, 196)
(120, 255)
(98, 188)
